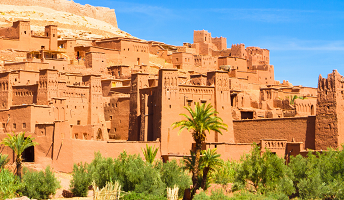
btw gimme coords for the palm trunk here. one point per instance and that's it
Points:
(19, 167)
(195, 171)
(204, 180)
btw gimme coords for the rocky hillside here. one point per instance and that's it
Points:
(72, 19)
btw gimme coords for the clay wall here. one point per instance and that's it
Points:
(230, 151)
(308, 92)
(27, 77)
(203, 64)
(305, 107)
(67, 45)
(38, 42)
(301, 129)
(266, 77)
(76, 151)
(149, 126)
(117, 112)
(101, 13)
(120, 71)
(220, 43)
(131, 52)
(138, 81)
(202, 37)
(76, 104)
(183, 61)
(198, 79)
(24, 94)
(258, 56)
(44, 137)
(112, 56)
(9, 32)
(185, 49)
(60, 64)
(329, 112)
(235, 63)
(238, 51)
(222, 105)
(29, 66)
(251, 77)
(96, 61)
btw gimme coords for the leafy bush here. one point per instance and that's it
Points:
(224, 174)
(218, 195)
(136, 175)
(39, 185)
(173, 174)
(265, 174)
(141, 196)
(319, 176)
(3, 160)
(201, 196)
(81, 180)
(9, 184)
(101, 170)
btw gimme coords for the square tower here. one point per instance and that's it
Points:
(202, 36)
(329, 113)
(51, 33)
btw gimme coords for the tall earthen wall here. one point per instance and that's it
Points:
(300, 129)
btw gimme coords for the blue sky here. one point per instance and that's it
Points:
(305, 38)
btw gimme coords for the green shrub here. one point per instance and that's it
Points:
(201, 196)
(3, 160)
(136, 175)
(141, 196)
(244, 195)
(266, 174)
(224, 174)
(81, 180)
(173, 174)
(319, 176)
(9, 184)
(39, 185)
(218, 195)
(101, 170)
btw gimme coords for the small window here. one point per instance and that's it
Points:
(24, 125)
(78, 122)
(53, 35)
(3, 125)
(14, 125)
(110, 117)
(24, 32)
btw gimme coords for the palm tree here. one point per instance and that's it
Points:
(150, 153)
(210, 160)
(18, 143)
(201, 120)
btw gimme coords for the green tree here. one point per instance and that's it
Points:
(267, 174)
(150, 153)
(209, 161)
(3, 160)
(200, 121)
(18, 143)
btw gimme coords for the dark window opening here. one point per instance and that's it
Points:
(29, 154)
(78, 122)
(246, 115)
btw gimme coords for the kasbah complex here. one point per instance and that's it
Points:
(78, 96)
